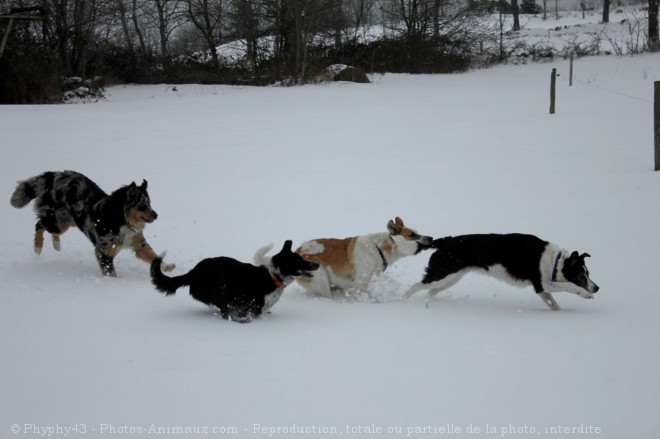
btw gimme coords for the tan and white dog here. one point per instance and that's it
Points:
(347, 265)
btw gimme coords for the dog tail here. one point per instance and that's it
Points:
(260, 257)
(163, 283)
(28, 190)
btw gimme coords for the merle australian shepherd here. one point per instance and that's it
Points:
(112, 222)
(240, 291)
(514, 258)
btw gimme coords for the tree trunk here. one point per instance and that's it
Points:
(80, 41)
(162, 27)
(338, 22)
(436, 19)
(200, 14)
(606, 11)
(143, 47)
(246, 22)
(545, 9)
(501, 22)
(124, 26)
(127, 37)
(654, 37)
(213, 46)
(516, 15)
(62, 36)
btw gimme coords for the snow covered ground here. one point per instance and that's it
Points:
(233, 168)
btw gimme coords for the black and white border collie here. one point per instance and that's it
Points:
(518, 259)
(240, 291)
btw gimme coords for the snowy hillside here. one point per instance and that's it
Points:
(565, 30)
(231, 169)
(570, 32)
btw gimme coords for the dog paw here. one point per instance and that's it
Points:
(168, 267)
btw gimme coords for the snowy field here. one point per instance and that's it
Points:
(232, 168)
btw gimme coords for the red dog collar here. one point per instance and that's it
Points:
(277, 281)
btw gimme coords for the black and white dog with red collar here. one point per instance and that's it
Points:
(517, 259)
(239, 290)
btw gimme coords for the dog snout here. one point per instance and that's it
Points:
(307, 270)
(426, 240)
(596, 288)
(150, 216)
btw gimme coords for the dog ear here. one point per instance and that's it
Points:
(287, 245)
(144, 184)
(572, 259)
(393, 228)
(399, 222)
(585, 255)
(132, 189)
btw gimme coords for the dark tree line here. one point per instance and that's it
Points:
(272, 40)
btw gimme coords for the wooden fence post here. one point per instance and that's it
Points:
(553, 81)
(656, 124)
(570, 75)
(15, 14)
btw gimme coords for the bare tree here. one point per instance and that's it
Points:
(606, 11)
(152, 23)
(515, 11)
(453, 19)
(123, 20)
(417, 16)
(545, 9)
(338, 20)
(436, 18)
(208, 16)
(73, 29)
(144, 48)
(127, 35)
(169, 14)
(299, 17)
(361, 14)
(654, 37)
(246, 17)
(295, 23)
(358, 15)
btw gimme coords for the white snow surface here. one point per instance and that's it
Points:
(231, 169)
